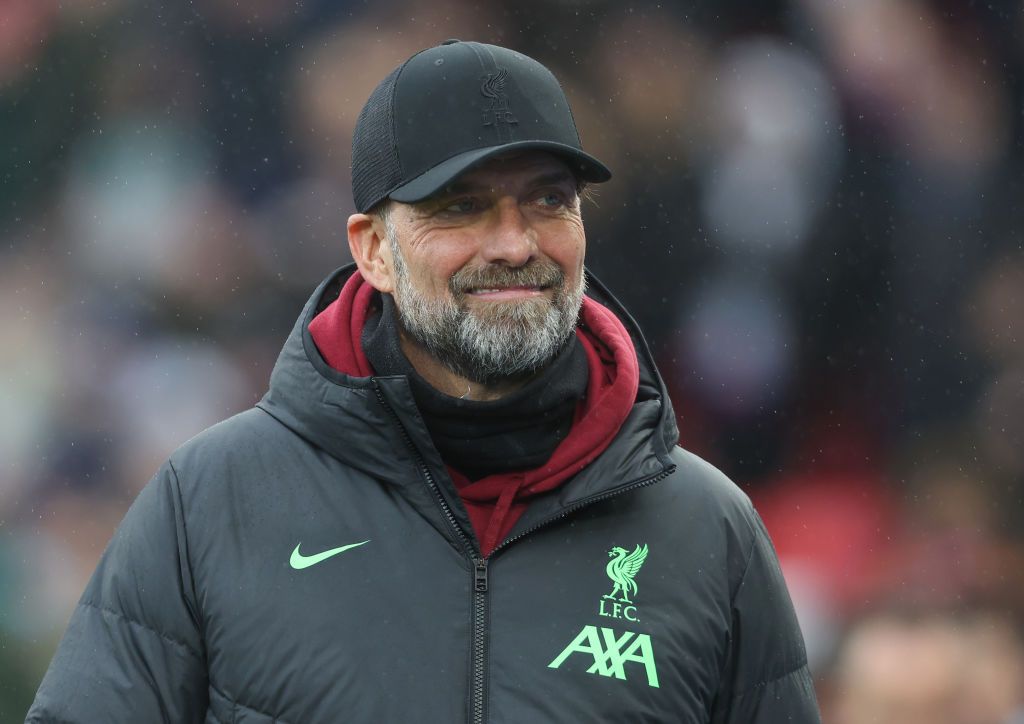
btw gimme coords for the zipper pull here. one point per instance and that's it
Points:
(480, 575)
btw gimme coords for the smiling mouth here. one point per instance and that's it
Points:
(501, 293)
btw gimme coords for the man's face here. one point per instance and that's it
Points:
(488, 275)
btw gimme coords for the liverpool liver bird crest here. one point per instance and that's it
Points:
(622, 568)
(494, 85)
(497, 111)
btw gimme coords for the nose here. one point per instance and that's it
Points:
(510, 240)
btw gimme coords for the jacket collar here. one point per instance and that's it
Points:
(371, 423)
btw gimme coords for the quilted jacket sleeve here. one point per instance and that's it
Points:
(766, 679)
(132, 651)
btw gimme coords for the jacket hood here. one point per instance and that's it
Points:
(371, 423)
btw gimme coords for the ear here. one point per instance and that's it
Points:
(369, 246)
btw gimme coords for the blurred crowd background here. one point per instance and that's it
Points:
(817, 216)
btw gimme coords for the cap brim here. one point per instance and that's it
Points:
(428, 183)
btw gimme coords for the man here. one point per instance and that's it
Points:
(461, 499)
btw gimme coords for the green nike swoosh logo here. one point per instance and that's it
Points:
(299, 561)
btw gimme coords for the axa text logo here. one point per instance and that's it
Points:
(611, 653)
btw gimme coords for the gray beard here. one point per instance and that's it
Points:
(505, 341)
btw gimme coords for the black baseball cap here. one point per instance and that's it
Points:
(451, 107)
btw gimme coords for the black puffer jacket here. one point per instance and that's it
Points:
(645, 589)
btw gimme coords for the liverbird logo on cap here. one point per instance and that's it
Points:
(493, 87)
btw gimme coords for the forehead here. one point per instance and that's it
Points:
(511, 170)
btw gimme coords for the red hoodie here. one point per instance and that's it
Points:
(495, 503)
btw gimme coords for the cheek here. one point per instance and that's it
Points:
(432, 272)
(569, 252)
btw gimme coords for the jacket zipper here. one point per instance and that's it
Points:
(467, 544)
(478, 702)
(584, 503)
(478, 654)
(478, 658)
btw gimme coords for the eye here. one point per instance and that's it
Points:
(465, 205)
(552, 199)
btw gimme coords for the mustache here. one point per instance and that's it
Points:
(537, 274)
